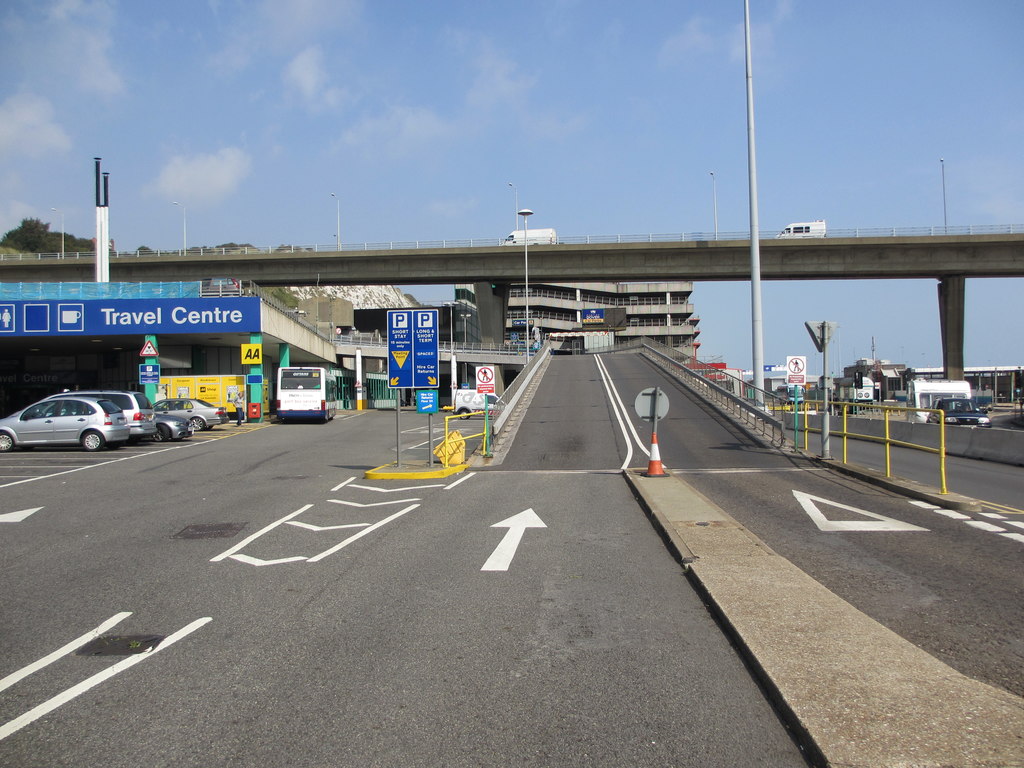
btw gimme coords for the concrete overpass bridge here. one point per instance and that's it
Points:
(948, 255)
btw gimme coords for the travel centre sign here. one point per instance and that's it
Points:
(97, 317)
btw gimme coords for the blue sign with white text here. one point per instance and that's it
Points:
(412, 348)
(99, 317)
(426, 401)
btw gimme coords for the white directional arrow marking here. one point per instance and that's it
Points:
(258, 562)
(17, 517)
(502, 556)
(878, 523)
(373, 504)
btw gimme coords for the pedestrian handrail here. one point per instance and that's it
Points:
(810, 408)
(487, 242)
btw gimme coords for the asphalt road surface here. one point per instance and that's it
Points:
(313, 618)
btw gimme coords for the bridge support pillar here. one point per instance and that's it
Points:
(491, 306)
(952, 301)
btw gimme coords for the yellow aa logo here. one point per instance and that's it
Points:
(252, 354)
(400, 356)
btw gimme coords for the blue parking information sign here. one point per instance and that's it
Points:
(149, 373)
(426, 401)
(412, 348)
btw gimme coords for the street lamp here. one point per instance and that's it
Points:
(338, 231)
(61, 231)
(942, 165)
(714, 196)
(184, 229)
(526, 274)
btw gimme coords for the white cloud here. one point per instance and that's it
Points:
(28, 127)
(307, 75)
(206, 179)
(79, 40)
(497, 83)
(453, 209)
(399, 132)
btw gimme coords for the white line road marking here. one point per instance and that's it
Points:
(879, 522)
(1015, 523)
(311, 527)
(502, 555)
(951, 514)
(981, 525)
(393, 490)
(272, 526)
(350, 539)
(1015, 536)
(64, 650)
(258, 562)
(993, 515)
(17, 517)
(374, 504)
(339, 486)
(64, 697)
(460, 480)
(924, 505)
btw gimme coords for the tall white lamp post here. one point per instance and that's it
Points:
(337, 236)
(524, 212)
(184, 229)
(61, 230)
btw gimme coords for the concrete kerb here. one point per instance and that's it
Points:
(856, 694)
(412, 470)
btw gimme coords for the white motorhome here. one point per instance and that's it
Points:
(532, 237)
(804, 229)
(922, 393)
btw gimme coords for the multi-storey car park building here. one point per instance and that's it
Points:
(659, 311)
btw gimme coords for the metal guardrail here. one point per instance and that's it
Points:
(845, 409)
(510, 398)
(487, 242)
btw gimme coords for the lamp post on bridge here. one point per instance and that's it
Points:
(61, 230)
(337, 236)
(184, 229)
(526, 276)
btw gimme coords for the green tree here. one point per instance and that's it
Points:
(32, 236)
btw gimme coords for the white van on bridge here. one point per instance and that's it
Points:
(804, 229)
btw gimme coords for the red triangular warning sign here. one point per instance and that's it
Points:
(148, 350)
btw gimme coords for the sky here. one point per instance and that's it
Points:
(268, 121)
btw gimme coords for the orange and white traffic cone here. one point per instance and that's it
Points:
(654, 468)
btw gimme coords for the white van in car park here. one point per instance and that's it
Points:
(924, 393)
(469, 401)
(532, 237)
(803, 229)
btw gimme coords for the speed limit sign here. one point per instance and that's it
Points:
(485, 378)
(796, 370)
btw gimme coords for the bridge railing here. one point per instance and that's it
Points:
(488, 242)
(739, 398)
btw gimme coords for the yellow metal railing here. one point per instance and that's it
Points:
(452, 448)
(878, 411)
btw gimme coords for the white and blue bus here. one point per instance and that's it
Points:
(308, 393)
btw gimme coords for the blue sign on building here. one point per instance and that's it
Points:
(593, 316)
(98, 317)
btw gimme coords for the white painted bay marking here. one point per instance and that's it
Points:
(339, 486)
(982, 525)
(951, 514)
(311, 527)
(394, 490)
(17, 517)
(372, 504)
(247, 540)
(502, 555)
(258, 562)
(75, 691)
(877, 523)
(1015, 536)
(350, 539)
(993, 515)
(64, 650)
(462, 479)
(1016, 523)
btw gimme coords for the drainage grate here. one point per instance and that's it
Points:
(210, 531)
(120, 645)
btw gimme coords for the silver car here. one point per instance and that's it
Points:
(136, 406)
(199, 413)
(91, 423)
(170, 427)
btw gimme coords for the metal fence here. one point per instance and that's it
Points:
(488, 242)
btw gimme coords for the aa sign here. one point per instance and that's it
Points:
(252, 354)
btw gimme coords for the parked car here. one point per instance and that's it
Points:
(199, 413)
(961, 410)
(66, 420)
(170, 427)
(220, 286)
(138, 410)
